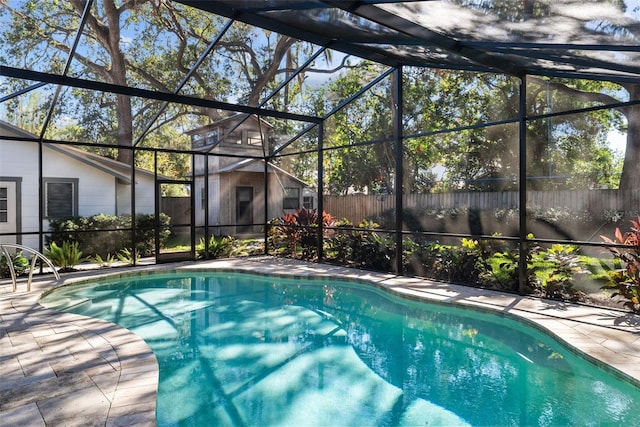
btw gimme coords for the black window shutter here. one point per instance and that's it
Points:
(59, 199)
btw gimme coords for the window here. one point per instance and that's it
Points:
(307, 202)
(4, 204)
(197, 140)
(204, 139)
(211, 137)
(235, 138)
(254, 138)
(61, 197)
(291, 198)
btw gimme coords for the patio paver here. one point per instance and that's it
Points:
(63, 369)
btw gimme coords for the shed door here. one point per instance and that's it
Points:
(8, 211)
(244, 209)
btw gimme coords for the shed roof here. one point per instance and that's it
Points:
(249, 165)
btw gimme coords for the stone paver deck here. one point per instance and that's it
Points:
(64, 369)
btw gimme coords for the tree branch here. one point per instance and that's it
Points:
(577, 94)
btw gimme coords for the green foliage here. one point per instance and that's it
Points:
(66, 256)
(128, 256)
(443, 262)
(19, 261)
(488, 263)
(481, 159)
(103, 263)
(218, 247)
(369, 249)
(361, 247)
(145, 232)
(103, 234)
(156, 30)
(552, 271)
(624, 279)
(339, 242)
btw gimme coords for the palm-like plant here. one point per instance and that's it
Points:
(218, 246)
(66, 256)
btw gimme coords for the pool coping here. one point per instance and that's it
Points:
(60, 368)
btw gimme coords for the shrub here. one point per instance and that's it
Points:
(104, 234)
(65, 256)
(20, 264)
(491, 264)
(551, 271)
(369, 249)
(625, 280)
(145, 232)
(338, 245)
(298, 231)
(218, 246)
(361, 248)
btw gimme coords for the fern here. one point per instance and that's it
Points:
(219, 246)
(66, 256)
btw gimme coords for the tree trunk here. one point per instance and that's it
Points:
(115, 72)
(630, 177)
(118, 75)
(125, 130)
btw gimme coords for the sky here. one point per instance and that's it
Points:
(617, 141)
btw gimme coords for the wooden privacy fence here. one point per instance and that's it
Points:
(357, 207)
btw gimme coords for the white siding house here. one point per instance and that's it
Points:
(75, 183)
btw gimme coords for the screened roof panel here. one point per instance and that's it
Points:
(223, 55)
(25, 104)
(580, 36)
(20, 49)
(595, 39)
(422, 56)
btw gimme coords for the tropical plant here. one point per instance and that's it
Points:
(362, 246)
(103, 263)
(299, 231)
(20, 264)
(552, 271)
(217, 247)
(338, 244)
(66, 256)
(128, 256)
(624, 280)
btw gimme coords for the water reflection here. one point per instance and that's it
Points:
(242, 350)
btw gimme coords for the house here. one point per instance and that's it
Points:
(74, 183)
(235, 172)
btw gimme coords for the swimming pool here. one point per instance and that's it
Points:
(241, 349)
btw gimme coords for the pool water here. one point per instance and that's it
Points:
(247, 350)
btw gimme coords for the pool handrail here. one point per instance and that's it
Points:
(34, 258)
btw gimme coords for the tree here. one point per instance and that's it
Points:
(154, 43)
(531, 15)
(353, 163)
(141, 43)
(572, 147)
(594, 92)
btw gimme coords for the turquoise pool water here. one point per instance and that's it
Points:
(247, 350)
